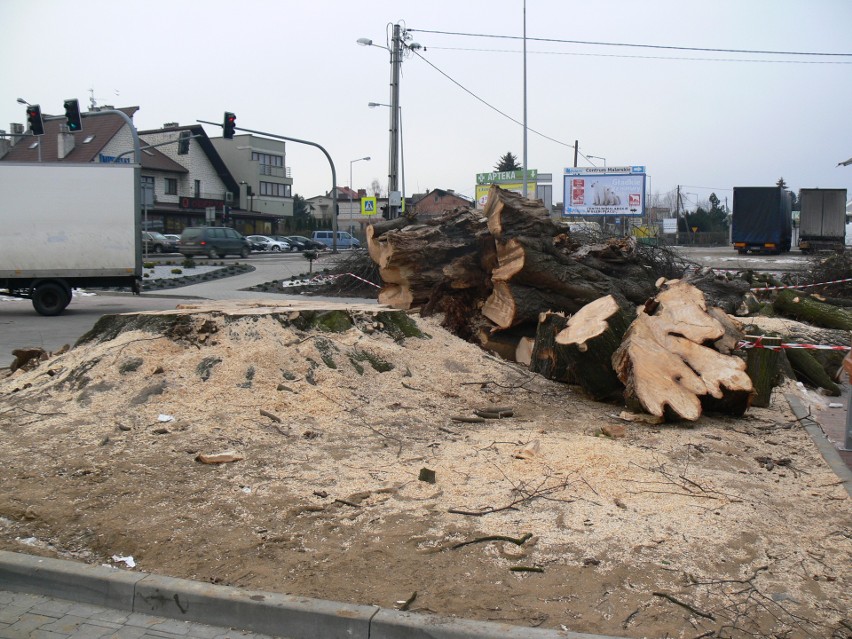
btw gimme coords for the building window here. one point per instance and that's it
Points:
(267, 159)
(171, 186)
(273, 189)
(198, 188)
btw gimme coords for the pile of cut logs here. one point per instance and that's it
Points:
(593, 314)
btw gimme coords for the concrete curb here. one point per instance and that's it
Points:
(826, 448)
(255, 611)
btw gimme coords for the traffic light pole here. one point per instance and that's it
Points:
(328, 157)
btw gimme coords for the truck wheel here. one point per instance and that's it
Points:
(50, 299)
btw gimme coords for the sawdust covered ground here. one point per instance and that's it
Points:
(725, 528)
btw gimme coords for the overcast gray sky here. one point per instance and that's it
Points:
(705, 120)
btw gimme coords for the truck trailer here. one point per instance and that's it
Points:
(762, 219)
(822, 220)
(68, 226)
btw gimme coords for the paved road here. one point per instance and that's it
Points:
(21, 326)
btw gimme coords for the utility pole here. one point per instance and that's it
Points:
(576, 149)
(677, 215)
(393, 163)
(526, 192)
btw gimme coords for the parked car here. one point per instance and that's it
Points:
(153, 242)
(302, 243)
(257, 242)
(269, 243)
(213, 241)
(344, 240)
(173, 237)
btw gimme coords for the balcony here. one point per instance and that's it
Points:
(273, 171)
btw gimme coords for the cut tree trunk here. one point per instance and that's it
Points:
(803, 307)
(809, 370)
(510, 214)
(588, 342)
(546, 359)
(416, 259)
(666, 360)
(513, 304)
(762, 368)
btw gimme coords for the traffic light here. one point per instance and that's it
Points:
(229, 125)
(72, 114)
(34, 119)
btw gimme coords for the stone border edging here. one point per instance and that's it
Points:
(257, 611)
(826, 448)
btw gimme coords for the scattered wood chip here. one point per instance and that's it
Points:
(640, 418)
(427, 475)
(219, 458)
(527, 452)
(467, 420)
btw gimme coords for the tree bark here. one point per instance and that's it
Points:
(762, 368)
(803, 307)
(588, 342)
(546, 359)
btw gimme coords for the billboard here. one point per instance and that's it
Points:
(508, 180)
(617, 191)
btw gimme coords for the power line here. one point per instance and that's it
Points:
(644, 57)
(491, 106)
(626, 44)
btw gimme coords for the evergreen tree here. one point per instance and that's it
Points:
(508, 162)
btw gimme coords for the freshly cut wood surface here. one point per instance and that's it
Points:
(665, 365)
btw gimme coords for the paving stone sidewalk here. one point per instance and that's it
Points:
(26, 616)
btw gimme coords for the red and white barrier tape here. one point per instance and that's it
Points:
(777, 347)
(778, 288)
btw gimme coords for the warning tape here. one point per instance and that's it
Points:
(777, 347)
(319, 280)
(778, 288)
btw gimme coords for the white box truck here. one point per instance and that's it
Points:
(67, 226)
(822, 220)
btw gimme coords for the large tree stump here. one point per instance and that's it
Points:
(588, 342)
(762, 368)
(666, 362)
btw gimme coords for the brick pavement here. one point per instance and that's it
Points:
(27, 616)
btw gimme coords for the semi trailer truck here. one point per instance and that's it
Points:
(762, 219)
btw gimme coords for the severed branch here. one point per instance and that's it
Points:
(520, 541)
(691, 609)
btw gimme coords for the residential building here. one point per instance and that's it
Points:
(260, 168)
(183, 176)
(436, 202)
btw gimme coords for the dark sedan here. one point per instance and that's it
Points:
(304, 243)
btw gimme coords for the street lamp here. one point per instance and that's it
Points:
(351, 162)
(396, 50)
(373, 105)
(597, 157)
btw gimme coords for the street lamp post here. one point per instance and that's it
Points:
(351, 162)
(597, 157)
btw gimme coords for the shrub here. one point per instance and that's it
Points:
(176, 271)
(188, 263)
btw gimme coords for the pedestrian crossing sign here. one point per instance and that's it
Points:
(368, 206)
